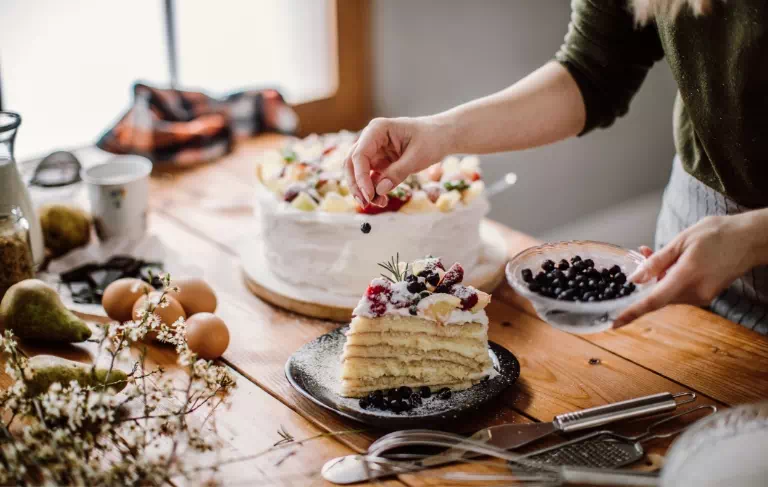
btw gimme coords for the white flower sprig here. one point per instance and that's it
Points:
(74, 434)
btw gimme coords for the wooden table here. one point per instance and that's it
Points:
(679, 348)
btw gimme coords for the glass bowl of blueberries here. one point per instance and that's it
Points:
(578, 286)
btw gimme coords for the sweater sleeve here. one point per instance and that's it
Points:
(608, 56)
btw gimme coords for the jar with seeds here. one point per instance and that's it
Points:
(15, 248)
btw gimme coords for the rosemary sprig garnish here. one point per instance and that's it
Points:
(393, 267)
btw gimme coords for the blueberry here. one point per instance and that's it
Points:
(548, 265)
(563, 265)
(416, 287)
(583, 285)
(424, 294)
(558, 291)
(614, 270)
(609, 294)
(534, 287)
(397, 405)
(630, 286)
(579, 266)
(605, 272)
(579, 278)
(365, 227)
(620, 278)
(592, 284)
(411, 278)
(592, 299)
(405, 391)
(364, 403)
(572, 284)
(575, 258)
(527, 275)
(558, 274)
(623, 291)
(392, 394)
(444, 393)
(600, 297)
(433, 279)
(614, 286)
(415, 399)
(572, 273)
(565, 295)
(425, 392)
(413, 310)
(588, 295)
(541, 276)
(558, 283)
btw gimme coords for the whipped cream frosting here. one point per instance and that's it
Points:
(328, 251)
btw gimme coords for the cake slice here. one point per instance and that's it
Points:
(417, 326)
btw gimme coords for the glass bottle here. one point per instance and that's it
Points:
(13, 191)
(15, 248)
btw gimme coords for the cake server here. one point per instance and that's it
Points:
(356, 468)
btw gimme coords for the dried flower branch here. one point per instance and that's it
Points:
(86, 435)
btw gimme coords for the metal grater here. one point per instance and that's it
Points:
(601, 449)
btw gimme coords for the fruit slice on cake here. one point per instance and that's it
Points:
(416, 326)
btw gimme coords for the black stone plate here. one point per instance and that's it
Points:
(313, 370)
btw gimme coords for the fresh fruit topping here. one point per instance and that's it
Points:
(439, 306)
(413, 310)
(304, 202)
(405, 391)
(365, 227)
(434, 172)
(433, 279)
(419, 203)
(469, 296)
(548, 265)
(416, 287)
(483, 299)
(448, 201)
(527, 275)
(453, 276)
(433, 191)
(456, 185)
(289, 156)
(364, 403)
(425, 392)
(379, 290)
(378, 308)
(292, 192)
(415, 399)
(475, 190)
(581, 281)
(444, 393)
(333, 202)
(395, 201)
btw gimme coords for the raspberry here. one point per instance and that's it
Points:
(378, 308)
(396, 199)
(469, 302)
(454, 275)
(378, 293)
(292, 192)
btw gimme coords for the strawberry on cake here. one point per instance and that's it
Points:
(417, 326)
(311, 226)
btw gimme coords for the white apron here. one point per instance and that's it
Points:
(686, 201)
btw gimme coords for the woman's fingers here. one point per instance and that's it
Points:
(349, 172)
(396, 172)
(656, 264)
(668, 291)
(645, 251)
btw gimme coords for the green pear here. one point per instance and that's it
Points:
(33, 310)
(47, 369)
(65, 227)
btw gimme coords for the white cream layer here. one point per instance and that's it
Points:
(328, 251)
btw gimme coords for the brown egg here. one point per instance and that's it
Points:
(207, 335)
(168, 315)
(195, 295)
(120, 296)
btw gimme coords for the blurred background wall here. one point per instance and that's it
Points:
(429, 55)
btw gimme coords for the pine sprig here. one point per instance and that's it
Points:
(393, 267)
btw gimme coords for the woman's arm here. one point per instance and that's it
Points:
(702, 261)
(544, 107)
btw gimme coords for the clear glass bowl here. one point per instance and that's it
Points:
(575, 316)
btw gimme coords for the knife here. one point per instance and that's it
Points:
(355, 468)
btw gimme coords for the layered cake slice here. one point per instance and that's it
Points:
(417, 326)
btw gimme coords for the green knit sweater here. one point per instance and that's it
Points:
(720, 63)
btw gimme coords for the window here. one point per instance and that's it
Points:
(68, 67)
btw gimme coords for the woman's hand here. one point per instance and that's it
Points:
(388, 151)
(697, 265)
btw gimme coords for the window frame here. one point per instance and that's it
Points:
(350, 106)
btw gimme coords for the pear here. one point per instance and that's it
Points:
(65, 227)
(47, 369)
(33, 310)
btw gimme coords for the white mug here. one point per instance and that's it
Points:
(119, 194)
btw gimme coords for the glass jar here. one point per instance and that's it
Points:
(15, 248)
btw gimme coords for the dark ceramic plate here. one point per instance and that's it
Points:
(313, 370)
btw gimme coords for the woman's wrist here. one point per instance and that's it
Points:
(443, 127)
(752, 227)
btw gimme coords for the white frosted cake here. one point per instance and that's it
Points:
(418, 326)
(311, 226)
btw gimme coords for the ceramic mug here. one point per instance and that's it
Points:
(119, 194)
